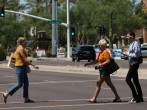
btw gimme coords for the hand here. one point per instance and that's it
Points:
(86, 64)
(125, 53)
(100, 66)
(36, 67)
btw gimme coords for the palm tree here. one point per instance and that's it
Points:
(12, 5)
(35, 5)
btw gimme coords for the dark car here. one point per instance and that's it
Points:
(83, 52)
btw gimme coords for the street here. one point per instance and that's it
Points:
(61, 90)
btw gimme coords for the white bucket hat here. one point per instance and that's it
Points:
(102, 42)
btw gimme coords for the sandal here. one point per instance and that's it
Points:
(117, 100)
(5, 98)
(92, 101)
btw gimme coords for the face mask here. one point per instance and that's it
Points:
(24, 43)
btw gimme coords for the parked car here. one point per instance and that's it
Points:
(83, 52)
(144, 51)
(97, 52)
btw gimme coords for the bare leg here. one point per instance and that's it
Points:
(110, 84)
(98, 88)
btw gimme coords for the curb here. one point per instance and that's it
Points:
(122, 72)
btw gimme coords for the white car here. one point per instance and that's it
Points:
(144, 51)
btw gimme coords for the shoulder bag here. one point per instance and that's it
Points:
(112, 66)
(11, 61)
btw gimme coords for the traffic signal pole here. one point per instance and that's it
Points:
(67, 25)
(33, 16)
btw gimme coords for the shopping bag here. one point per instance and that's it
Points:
(28, 69)
(11, 61)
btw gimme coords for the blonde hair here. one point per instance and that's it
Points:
(20, 40)
(102, 42)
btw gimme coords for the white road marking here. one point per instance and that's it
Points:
(9, 76)
(57, 106)
(54, 82)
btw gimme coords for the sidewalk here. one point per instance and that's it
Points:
(80, 69)
(88, 70)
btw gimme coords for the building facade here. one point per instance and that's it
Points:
(141, 34)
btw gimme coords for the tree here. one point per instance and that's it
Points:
(117, 16)
(11, 25)
(86, 15)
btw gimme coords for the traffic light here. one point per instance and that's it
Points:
(72, 32)
(101, 30)
(2, 12)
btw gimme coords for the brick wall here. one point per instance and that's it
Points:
(141, 33)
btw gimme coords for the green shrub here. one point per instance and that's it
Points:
(2, 54)
(9, 53)
(48, 53)
(33, 54)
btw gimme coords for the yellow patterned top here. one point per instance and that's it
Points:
(19, 60)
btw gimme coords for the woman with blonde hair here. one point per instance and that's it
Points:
(21, 64)
(102, 60)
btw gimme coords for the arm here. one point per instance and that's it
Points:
(91, 63)
(24, 57)
(105, 63)
(125, 53)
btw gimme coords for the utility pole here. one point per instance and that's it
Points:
(57, 42)
(53, 28)
(68, 31)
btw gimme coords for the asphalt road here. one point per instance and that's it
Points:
(67, 91)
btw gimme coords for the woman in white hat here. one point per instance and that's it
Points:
(102, 60)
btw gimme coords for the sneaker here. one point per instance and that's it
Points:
(140, 100)
(28, 101)
(133, 100)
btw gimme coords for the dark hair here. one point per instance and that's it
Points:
(132, 34)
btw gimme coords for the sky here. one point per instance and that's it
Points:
(23, 1)
(138, 0)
